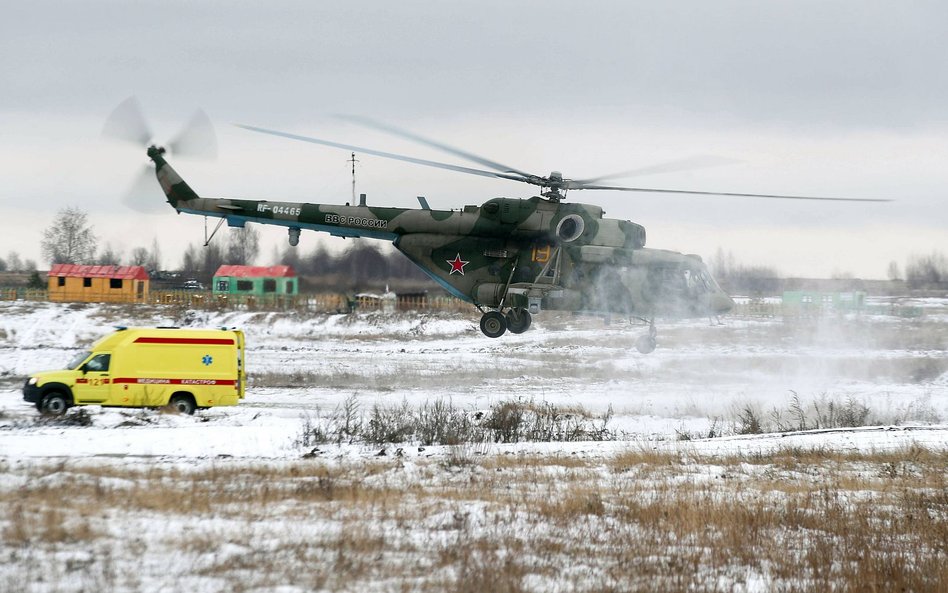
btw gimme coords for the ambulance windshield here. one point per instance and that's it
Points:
(77, 360)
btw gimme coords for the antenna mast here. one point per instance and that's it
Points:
(353, 161)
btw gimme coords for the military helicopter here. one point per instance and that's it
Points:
(510, 257)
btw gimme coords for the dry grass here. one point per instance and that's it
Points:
(440, 422)
(793, 520)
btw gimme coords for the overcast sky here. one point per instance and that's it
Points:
(844, 99)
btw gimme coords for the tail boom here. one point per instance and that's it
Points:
(175, 188)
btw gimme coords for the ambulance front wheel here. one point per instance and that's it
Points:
(182, 403)
(54, 404)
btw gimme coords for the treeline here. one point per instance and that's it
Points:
(927, 271)
(364, 265)
(922, 272)
(737, 277)
(371, 265)
(14, 263)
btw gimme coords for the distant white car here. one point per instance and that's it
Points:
(192, 285)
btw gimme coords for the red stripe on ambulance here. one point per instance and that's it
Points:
(202, 341)
(149, 381)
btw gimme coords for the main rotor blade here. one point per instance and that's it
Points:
(729, 194)
(127, 123)
(196, 139)
(371, 123)
(699, 161)
(380, 153)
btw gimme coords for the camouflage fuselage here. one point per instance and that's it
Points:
(508, 252)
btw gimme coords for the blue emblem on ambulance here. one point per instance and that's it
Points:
(207, 360)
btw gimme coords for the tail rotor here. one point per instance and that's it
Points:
(127, 123)
(197, 139)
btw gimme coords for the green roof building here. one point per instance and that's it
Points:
(258, 281)
(837, 301)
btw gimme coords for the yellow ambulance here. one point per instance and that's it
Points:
(185, 369)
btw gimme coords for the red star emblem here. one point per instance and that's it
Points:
(457, 265)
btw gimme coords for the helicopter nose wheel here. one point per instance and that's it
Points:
(493, 324)
(646, 344)
(518, 320)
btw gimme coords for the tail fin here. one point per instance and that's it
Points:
(171, 183)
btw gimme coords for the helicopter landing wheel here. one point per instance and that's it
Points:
(518, 320)
(493, 324)
(646, 344)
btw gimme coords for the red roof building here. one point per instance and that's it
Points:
(97, 284)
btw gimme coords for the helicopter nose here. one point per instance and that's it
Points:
(721, 303)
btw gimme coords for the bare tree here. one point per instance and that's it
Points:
(723, 265)
(243, 244)
(927, 271)
(69, 239)
(213, 255)
(290, 256)
(365, 263)
(893, 271)
(109, 256)
(201, 262)
(148, 258)
(153, 261)
(838, 274)
(139, 257)
(319, 261)
(190, 262)
(14, 263)
(736, 276)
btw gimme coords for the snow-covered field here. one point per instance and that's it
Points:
(659, 410)
(699, 379)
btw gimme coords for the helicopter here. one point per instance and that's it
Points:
(511, 258)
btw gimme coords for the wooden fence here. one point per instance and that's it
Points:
(314, 303)
(769, 309)
(341, 303)
(23, 294)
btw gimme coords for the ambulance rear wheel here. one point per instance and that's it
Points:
(54, 404)
(182, 403)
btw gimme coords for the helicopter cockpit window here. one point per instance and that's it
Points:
(695, 282)
(691, 284)
(704, 280)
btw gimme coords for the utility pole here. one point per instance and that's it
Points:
(353, 161)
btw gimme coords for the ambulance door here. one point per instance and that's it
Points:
(241, 371)
(94, 384)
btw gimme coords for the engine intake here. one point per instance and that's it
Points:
(570, 228)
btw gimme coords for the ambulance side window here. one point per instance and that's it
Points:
(99, 363)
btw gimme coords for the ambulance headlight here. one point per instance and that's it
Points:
(32, 381)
